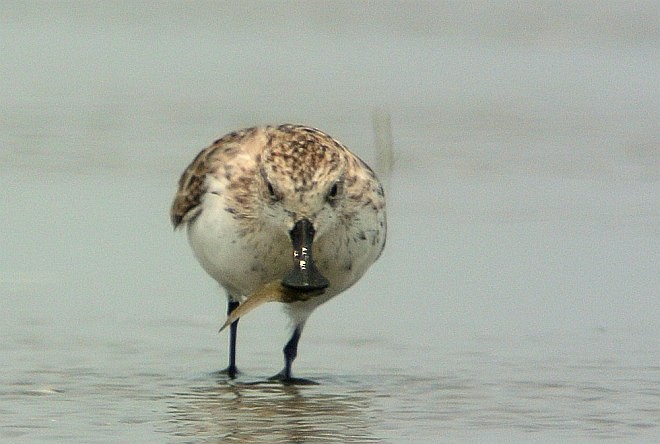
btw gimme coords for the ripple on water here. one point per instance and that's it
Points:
(271, 412)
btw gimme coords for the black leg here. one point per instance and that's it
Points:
(290, 353)
(231, 371)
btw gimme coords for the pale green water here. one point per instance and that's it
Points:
(517, 298)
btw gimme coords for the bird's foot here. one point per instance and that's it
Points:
(285, 378)
(231, 372)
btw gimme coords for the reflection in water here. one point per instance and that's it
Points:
(271, 412)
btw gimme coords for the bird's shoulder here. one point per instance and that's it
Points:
(236, 151)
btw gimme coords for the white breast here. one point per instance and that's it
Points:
(239, 261)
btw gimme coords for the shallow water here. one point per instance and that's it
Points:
(116, 388)
(517, 295)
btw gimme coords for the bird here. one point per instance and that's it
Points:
(281, 202)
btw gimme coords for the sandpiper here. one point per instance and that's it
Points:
(286, 203)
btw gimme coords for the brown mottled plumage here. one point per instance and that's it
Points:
(246, 198)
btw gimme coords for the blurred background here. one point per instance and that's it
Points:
(522, 166)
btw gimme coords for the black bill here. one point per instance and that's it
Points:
(304, 276)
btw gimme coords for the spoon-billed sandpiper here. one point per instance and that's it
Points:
(287, 203)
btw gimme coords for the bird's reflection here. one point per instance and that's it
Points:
(226, 411)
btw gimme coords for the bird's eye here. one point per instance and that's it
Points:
(334, 191)
(271, 191)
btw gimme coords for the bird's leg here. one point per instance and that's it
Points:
(290, 353)
(231, 370)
